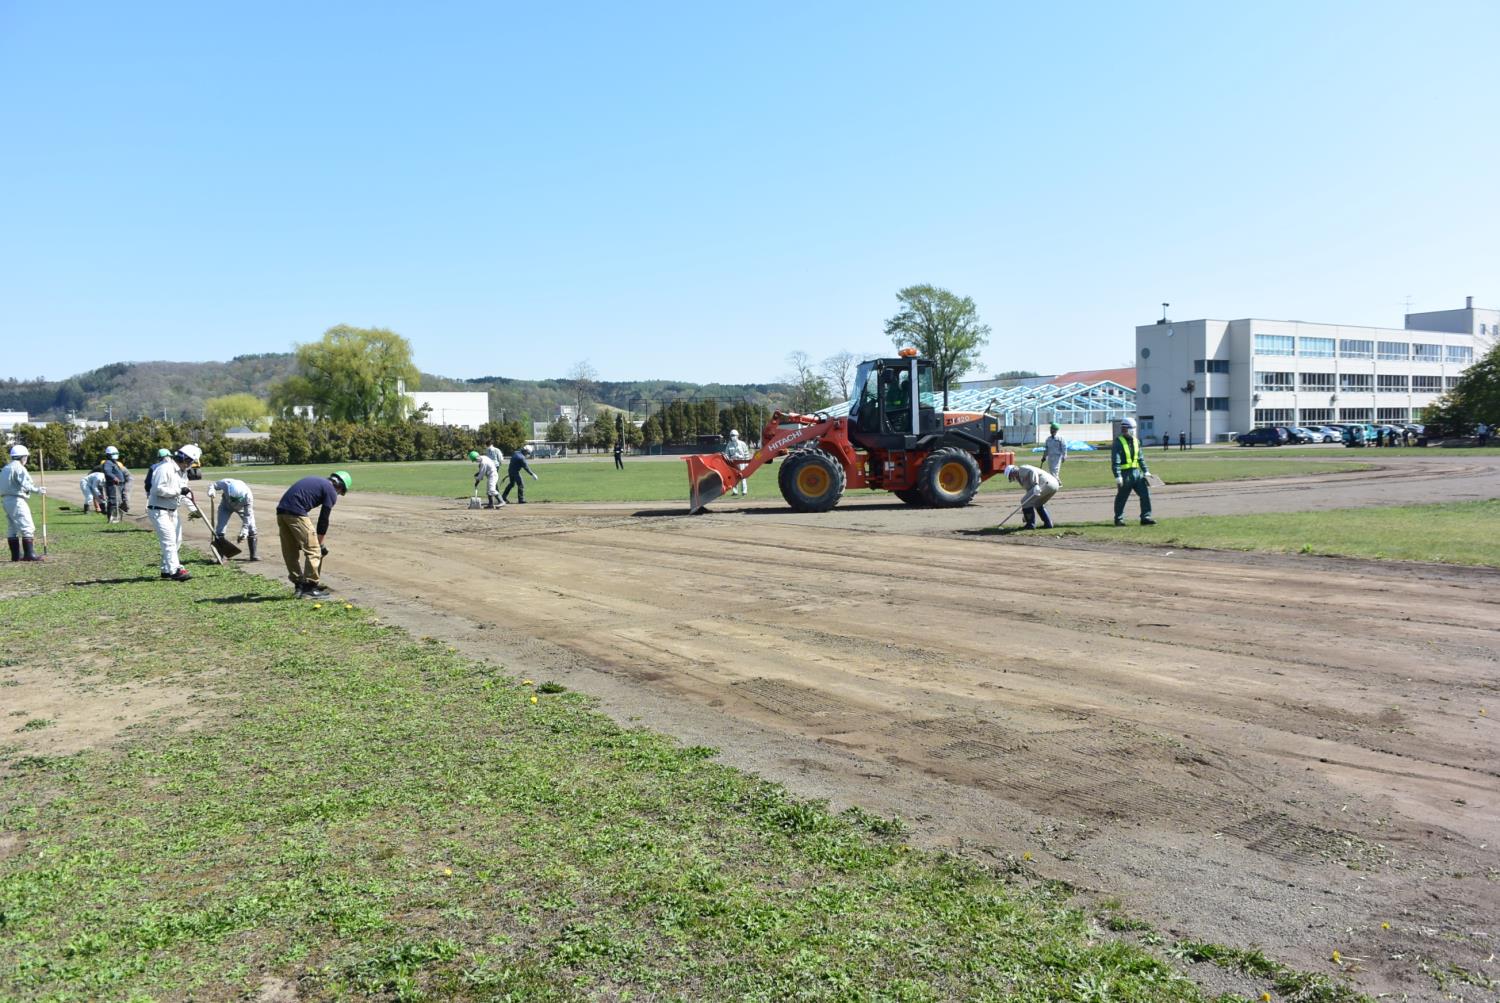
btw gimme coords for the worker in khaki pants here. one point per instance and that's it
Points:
(302, 545)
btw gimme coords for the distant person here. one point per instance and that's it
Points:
(1166, 441)
(92, 486)
(1054, 452)
(1039, 486)
(487, 473)
(517, 464)
(737, 453)
(116, 482)
(619, 455)
(1484, 434)
(303, 545)
(236, 499)
(1129, 468)
(493, 452)
(15, 487)
(1182, 442)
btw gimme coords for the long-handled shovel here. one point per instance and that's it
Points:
(41, 469)
(1009, 517)
(221, 545)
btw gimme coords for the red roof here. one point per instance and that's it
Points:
(1125, 377)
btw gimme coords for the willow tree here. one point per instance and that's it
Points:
(355, 374)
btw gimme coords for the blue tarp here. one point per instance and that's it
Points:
(1076, 446)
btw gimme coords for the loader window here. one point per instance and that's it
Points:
(926, 396)
(866, 408)
(895, 405)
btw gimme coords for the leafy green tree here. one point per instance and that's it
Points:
(236, 409)
(942, 327)
(560, 430)
(51, 440)
(1475, 398)
(352, 374)
(289, 442)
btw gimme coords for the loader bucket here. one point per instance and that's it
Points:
(709, 476)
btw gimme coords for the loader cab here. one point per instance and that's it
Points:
(894, 399)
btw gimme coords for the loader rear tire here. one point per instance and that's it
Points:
(949, 478)
(912, 496)
(811, 481)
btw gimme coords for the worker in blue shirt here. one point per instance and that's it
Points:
(302, 546)
(517, 464)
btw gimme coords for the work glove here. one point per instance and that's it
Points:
(1119, 481)
(323, 551)
(211, 494)
(187, 492)
(41, 491)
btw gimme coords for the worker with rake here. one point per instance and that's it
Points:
(487, 473)
(1039, 486)
(15, 487)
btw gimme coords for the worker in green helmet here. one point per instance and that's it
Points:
(302, 543)
(1129, 466)
(487, 473)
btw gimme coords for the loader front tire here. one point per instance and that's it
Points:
(811, 481)
(949, 478)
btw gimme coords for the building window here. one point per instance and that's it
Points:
(1394, 351)
(1349, 349)
(1274, 381)
(1275, 344)
(1318, 382)
(1316, 415)
(1272, 416)
(1211, 365)
(1426, 353)
(1390, 414)
(1315, 348)
(1354, 414)
(1391, 384)
(1452, 381)
(1356, 381)
(1418, 413)
(1427, 384)
(1460, 355)
(1210, 403)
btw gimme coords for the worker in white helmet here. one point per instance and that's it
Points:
(236, 498)
(487, 472)
(15, 487)
(169, 490)
(1039, 486)
(92, 486)
(736, 452)
(1129, 466)
(116, 483)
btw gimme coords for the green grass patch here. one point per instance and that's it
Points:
(363, 813)
(1448, 533)
(578, 480)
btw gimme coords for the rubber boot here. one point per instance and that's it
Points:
(1046, 517)
(15, 548)
(254, 540)
(28, 547)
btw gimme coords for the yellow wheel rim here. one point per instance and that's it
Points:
(953, 477)
(813, 481)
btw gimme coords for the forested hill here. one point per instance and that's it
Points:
(178, 389)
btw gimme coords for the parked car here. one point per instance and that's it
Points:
(1327, 434)
(1359, 436)
(1299, 434)
(545, 452)
(1262, 437)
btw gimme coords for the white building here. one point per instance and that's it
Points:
(465, 409)
(1213, 378)
(10, 419)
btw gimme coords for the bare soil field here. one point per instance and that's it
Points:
(1288, 752)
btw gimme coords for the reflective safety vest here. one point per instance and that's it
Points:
(1132, 451)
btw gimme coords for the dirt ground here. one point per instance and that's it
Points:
(1280, 751)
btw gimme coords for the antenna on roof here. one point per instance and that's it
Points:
(1408, 302)
(1164, 313)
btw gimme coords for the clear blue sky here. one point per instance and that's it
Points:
(693, 191)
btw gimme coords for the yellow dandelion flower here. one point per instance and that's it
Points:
(533, 699)
(1385, 926)
(1265, 997)
(317, 605)
(1026, 855)
(525, 682)
(1338, 959)
(447, 872)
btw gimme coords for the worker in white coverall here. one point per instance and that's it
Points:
(736, 452)
(15, 488)
(169, 489)
(92, 487)
(1039, 486)
(235, 497)
(487, 472)
(1055, 452)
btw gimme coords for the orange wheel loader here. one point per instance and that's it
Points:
(893, 439)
